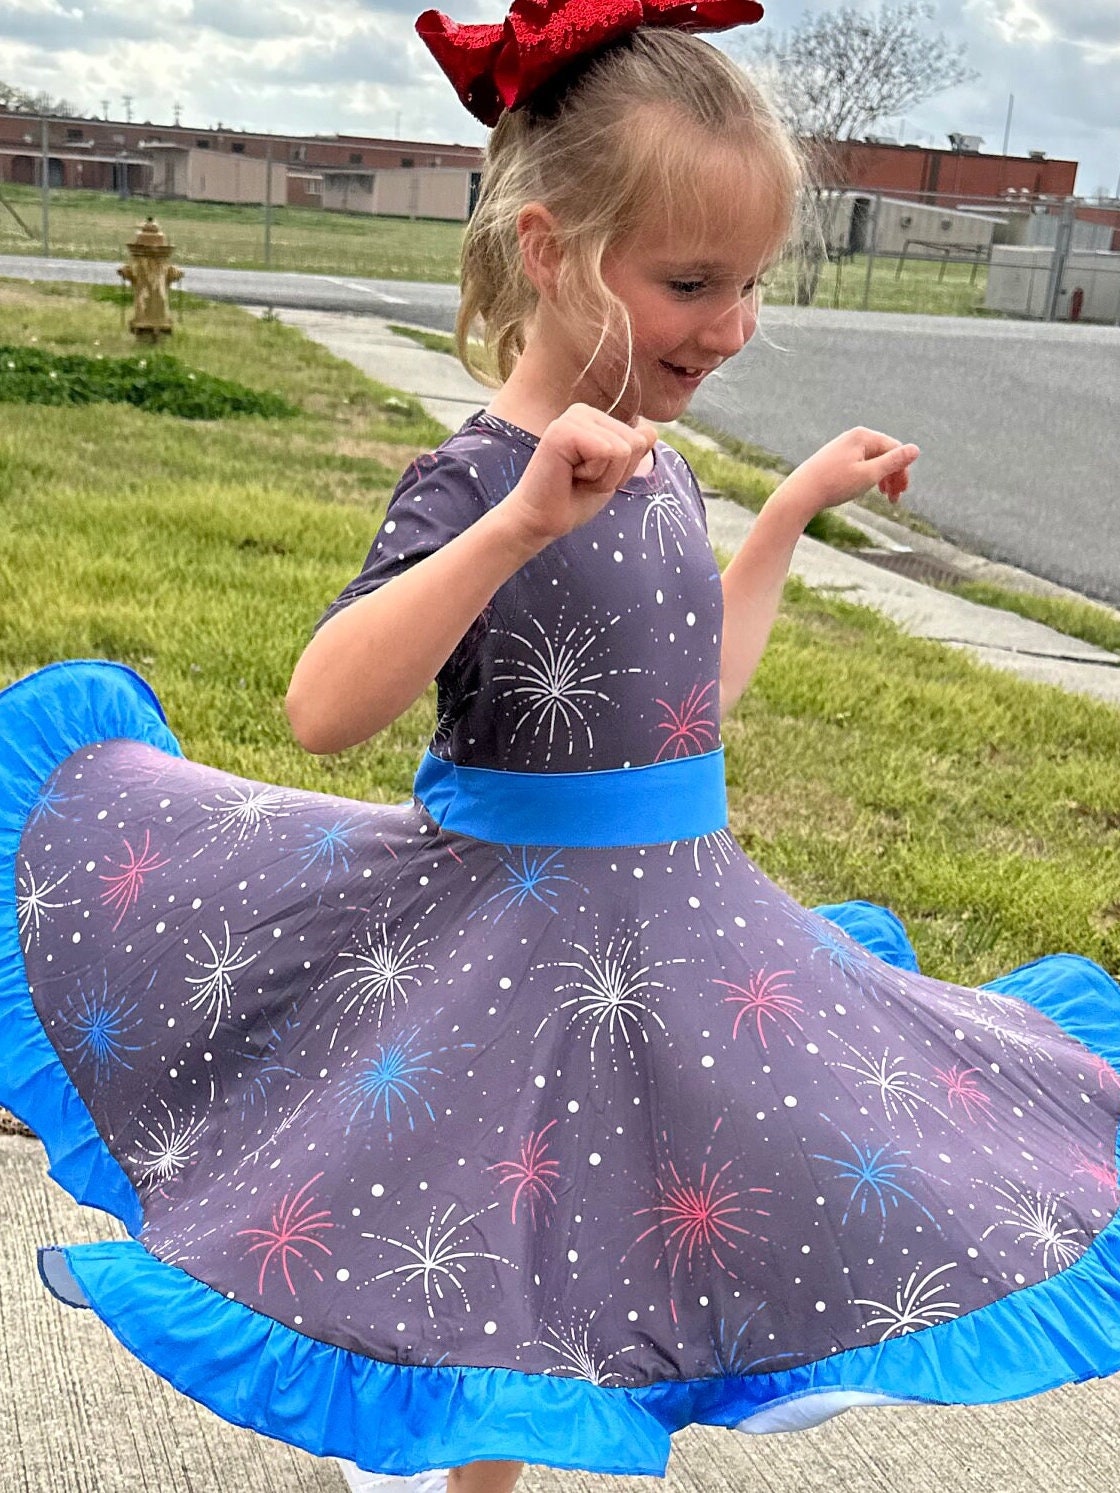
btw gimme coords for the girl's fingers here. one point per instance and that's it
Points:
(892, 463)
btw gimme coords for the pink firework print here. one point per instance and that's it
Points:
(1101, 1168)
(694, 727)
(122, 890)
(1107, 1076)
(962, 1088)
(531, 1173)
(765, 997)
(693, 1217)
(294, 1226)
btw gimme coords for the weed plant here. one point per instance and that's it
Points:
(158, 383)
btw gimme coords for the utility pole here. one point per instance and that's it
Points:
(178, 113)
(268, 205)
(45, 181)
(126, 100)
(1062, 245)
(1007, 126)
(105, 108)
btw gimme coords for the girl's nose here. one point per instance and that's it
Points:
(727, 332)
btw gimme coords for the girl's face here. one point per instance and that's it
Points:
(690, 284)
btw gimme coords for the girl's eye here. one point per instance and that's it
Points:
(686, 287)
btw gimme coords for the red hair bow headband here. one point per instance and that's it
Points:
(497, 67)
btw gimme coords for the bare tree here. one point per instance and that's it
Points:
(19, 101)
(837, 74)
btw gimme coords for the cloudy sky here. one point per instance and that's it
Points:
(355, 66)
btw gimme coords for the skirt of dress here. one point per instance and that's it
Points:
(435, 1148)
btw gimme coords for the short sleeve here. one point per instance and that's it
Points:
(439, 496)
(692, 486)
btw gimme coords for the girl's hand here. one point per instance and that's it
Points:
(847, 468)
(582, 460)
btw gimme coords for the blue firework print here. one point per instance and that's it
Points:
(624, 1113)
(531, 877)
(96, 1028)
(875, 1173)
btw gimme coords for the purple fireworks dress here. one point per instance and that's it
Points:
(529, 1119)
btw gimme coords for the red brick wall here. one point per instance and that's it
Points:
(944, 175)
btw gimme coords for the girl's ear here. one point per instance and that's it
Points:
(541, 251)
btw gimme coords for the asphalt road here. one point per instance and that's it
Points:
(1017, 420)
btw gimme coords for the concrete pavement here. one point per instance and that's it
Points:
(79, 1415)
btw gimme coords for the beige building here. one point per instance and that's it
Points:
(445, 192)
(210, 176)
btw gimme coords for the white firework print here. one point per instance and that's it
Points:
(288, 1123)
(1036, 1221)
(558, 684)
(213, 987)
(578, 1357)
(719, 848)
(899, 1089)
(918, 1303)
(612, 992)
(438, 1256)
(1007, 1021)
(664, 517)
(380, 970)
(166, 1146)
(240, 813)
(33, 904)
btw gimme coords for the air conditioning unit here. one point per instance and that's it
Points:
(966, 144)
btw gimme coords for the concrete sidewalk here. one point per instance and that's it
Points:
(996, 637)
(79, 1415)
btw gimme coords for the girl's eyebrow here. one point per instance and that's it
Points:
(689, 268)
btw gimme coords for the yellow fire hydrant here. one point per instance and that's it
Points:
(151, 274)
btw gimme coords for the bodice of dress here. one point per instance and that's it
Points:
(603, 651)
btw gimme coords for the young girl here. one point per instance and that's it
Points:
(529, 1121)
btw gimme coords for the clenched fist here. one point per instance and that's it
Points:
(583, 458)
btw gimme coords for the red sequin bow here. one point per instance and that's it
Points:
(497, 67)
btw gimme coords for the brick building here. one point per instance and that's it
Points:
(113, 156)
(943, 177)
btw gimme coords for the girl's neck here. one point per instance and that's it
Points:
(531, 398)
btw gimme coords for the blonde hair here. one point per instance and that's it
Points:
(581, 148)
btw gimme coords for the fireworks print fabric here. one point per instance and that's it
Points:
(618, 1114)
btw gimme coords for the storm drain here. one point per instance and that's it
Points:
(915, 567)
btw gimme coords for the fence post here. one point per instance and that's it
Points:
(1063, 242)
(45, 181)
(871, 250)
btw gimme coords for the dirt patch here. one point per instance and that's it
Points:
(9, 1125)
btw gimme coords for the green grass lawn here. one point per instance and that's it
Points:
(984, 810)
(94, 225)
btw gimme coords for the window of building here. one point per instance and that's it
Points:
(297, 152)
(238, 147)
(406, 160)
(73, 133)
(355, 158)
(314, 187)
(202, 144)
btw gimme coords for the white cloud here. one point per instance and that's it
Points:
(354, 66)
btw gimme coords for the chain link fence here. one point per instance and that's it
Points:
(1038, 258)
(1046, 259)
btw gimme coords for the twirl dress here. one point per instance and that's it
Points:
(529, 1119)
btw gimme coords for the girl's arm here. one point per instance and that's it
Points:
(369, 662)
(752, 583)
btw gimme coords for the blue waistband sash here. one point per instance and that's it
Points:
(677, 800)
